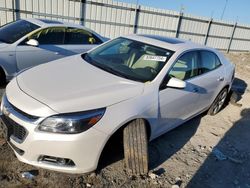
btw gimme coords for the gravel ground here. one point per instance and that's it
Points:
(204, 152)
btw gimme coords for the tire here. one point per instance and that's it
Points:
(2, 78)
(135, 144)
(218, 102)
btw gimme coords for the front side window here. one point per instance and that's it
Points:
(48, 36)
(186, 66)
(129, 59)
(80, 36)
(14, 31)
(209, 61)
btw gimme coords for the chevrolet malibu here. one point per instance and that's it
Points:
(46, 40)
(60, 115)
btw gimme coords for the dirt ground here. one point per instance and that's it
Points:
(204, 152)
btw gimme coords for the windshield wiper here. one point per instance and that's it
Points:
(106, 68)
(111, 70)
(87, 58)
(117, 73)
(103, 67)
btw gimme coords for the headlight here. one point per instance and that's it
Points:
(71, 123)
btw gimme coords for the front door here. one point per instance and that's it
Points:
(177, 105)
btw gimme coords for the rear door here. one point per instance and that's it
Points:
(80, 40)
(211, 77)
(51, 47)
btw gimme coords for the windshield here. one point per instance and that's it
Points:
(12, 32)
(129, 59)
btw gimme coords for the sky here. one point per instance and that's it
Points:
(236, 10)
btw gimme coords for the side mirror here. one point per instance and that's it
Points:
(176, 83)
(33, 42)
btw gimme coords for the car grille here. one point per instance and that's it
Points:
(17, 112)
(15, 131)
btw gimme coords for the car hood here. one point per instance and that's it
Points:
(3, 45)
(71, 85)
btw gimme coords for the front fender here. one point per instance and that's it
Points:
(8, 64)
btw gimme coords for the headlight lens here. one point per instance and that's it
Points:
(71, 123)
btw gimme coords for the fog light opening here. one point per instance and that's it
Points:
(56, 161)
(61, 161)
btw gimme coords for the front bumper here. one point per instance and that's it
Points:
(83, 149)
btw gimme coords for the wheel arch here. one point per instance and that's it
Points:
(147, 123)
(120, 128)
(118, 132)
(226, 86)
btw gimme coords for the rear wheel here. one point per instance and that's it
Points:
(136, 147)
(218, 102)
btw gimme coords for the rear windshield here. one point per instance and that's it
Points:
(12, 32)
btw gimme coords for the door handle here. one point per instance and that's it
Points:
(56, 53)
(195, 90)
(220, 79)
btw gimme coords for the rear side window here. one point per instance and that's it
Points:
(209, 61)
(80, 36)
(50, 36)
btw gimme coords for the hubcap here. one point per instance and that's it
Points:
(219, 103)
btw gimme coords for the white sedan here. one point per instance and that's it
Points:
(30, 42)
(60, 115)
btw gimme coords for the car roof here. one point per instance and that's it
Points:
(53, 23)
(169, 43)
(44, 23)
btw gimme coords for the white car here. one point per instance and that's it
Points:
(60, 115)
(29, 42)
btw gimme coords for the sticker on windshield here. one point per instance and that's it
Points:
(155, 58)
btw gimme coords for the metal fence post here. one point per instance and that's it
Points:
(137, 12)
(231, 38)
(82, 12)
(178, 25)
(16, 9)
(13, 10)
(208, 30)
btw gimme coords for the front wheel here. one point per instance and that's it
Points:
(218, 102)
(2, 78)
(136, 147)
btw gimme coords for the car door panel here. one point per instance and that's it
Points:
(211, 81)
(177, 105)
(212, 78)
(78, 49)
(28, 56)
(51, 47)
